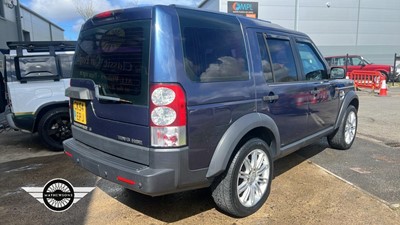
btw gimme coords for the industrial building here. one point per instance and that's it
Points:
(19, 23)
(365, 27)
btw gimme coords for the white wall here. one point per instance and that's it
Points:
(57, 34)
(40, 29)
(367, 27)
(8, 27)
(9, 14)
(281, 12)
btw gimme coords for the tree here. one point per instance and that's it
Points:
(85, 8)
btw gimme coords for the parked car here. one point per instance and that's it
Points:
(357, 62)
(397, 74)
(33, 85)
(166, 99)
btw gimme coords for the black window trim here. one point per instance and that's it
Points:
(59, 66)
(269, 55)
(294, 54)
(55, 77)
(316, 52)
(2, 11)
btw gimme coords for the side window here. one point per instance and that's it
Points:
(313, 67)
(356, 61)
(38, 66)
(66, 65)
(9, 73)
(339, 61)
(265, 59)
(2, 8)
(214, 48)
(283, 62)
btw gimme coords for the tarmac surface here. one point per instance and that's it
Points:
(316, 185)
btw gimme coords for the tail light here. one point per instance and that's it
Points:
(167, 115)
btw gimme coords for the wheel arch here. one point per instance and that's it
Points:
(242, 130)
(44, 109)
(351, 98)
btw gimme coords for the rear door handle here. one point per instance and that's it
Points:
(271, 98)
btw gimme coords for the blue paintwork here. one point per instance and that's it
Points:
(213, 107)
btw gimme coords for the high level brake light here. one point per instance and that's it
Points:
(107, 15)
(167, 115)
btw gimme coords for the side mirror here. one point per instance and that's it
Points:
(338, 73)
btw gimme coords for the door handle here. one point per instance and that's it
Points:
(271, 98)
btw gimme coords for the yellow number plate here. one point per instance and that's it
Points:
(80, 112)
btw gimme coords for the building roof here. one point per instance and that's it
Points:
(41, 17)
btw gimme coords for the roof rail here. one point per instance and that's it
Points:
(42, 46)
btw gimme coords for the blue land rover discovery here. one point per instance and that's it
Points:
(167, 99)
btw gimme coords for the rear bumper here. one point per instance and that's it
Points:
(23, 123)
(167, 173)
(10, 121)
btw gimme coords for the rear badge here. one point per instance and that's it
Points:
(129, 140)
(83, 126)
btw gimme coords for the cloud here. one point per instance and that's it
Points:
(163, 2)
(64, 13)
(64, 10)
(60, 10)
(77, 25)
(228, 68)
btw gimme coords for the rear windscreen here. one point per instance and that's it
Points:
(116, 57)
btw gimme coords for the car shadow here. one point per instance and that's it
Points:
(175, 207)
(304, 154)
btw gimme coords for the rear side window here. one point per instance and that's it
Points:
(116, 58)
(66, 65)
(283, 62)
(213, 47)
(37, 66)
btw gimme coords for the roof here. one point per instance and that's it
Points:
(41, 17)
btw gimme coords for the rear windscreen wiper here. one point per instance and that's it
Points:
(109, 98)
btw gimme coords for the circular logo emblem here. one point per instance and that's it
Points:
(58, 195)
(112, 40)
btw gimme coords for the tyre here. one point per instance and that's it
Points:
(246, 184)
(55, 127)
(344, 136)
(384, 73)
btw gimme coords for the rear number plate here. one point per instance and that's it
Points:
(79, 112)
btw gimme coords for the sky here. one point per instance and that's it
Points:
(63, 12)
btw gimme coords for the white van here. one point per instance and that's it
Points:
(35, 77)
